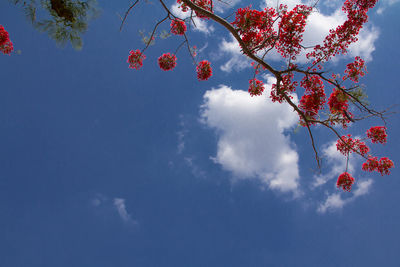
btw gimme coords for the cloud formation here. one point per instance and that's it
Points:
(335, 201)
(251, 139)
(102, 202)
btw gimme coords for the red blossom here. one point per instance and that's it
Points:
(355, 70)
(313, 99)
(256, 27)
(291, 28)
(340, 38)
(349, 145)
(167, 61)
(382, 166)
(135, 59)
(345, 181)
(377, 134)
(204, 70)
(6, 46)
(284, 87)
(178, 27)
(256, 87)
(205, 4)
(338, 106)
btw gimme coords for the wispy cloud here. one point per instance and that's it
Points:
(119, 204)
(109, 206)
(335, 201)
(385, 4)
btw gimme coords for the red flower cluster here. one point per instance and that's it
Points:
(291, 28)
(256, 27)
(6, 46)
(205, 4)
(313, 99)
(338, 106)
(345, 181)
(355, 69)
(337, 102)
(167, 61)
(340, 38)
(349, 145)
(286, 86)
(135, 59)
(382, 166)
(204, 70)
(178, 27)
(377, 134)
(256, 87)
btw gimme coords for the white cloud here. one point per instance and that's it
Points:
(119, 204)
(335, 201)
(318, 26)
(251, 139)
(200, 25)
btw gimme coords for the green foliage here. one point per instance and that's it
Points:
(63, 20)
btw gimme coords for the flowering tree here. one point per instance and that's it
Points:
(259, 32)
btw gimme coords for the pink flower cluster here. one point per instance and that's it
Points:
(345, 181)
(167, 61)
(6, 46)
(204, 70)
(178, 27)
(135, 59)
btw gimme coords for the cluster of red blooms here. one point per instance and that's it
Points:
(338, 105)
(340, 38)
(204, 70)
(291, 28)
(377, 134)
(6, 46)
(382, 166)
(349, 145)
(256, 27)
(345, 181)
(205, 4)
(167, 61)
(313, 99)
(135, 59)
(355, 70)
(256, 87)
(286, 86)
(178, 27)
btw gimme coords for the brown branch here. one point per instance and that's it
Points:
(127, 13)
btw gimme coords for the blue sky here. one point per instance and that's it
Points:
(101, 165)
